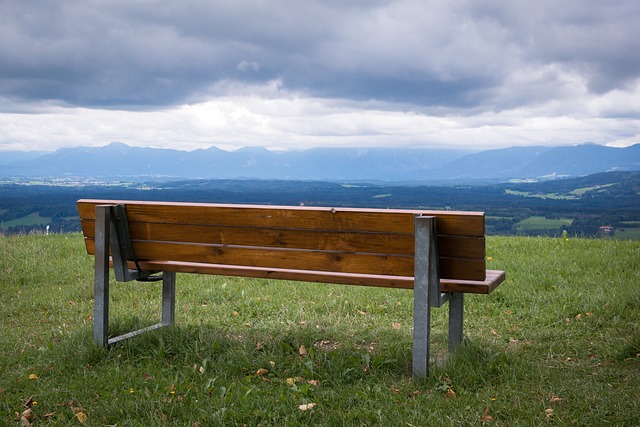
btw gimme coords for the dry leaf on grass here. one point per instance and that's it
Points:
(302, 350)
(82, 417)
(548, 413)
(396, 325)
(25, 417)
(262, 371)
(486, 418)
(307, 406)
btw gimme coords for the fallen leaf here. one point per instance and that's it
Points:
(548, 413)
(486, 418)
(363, 313)
(450, 393)
(201, 370)
(29, 402)
(555, 398)
(260, 346)
(248, 325)
(49, 415)
(493, 331)
(82, 417)
(314, 383)
(25, 417)
(396, 325)
(235, 313)
(307, 406)
(262, 371)
(302, 350)
(33, 377)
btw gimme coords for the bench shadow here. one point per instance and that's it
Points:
(289, 352)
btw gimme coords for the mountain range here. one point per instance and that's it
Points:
(331, 164)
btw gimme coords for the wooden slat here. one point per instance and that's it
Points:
(336, 219)
(389, 243)
(276, 258)
(494, 277)
(458, 268)
(492, 280)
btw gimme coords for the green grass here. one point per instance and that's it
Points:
(557, 343)
(555, 196)
(541, 223)
(626, 233)
(582, 191)
(31, 219)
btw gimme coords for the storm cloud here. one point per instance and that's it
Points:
(288, 73)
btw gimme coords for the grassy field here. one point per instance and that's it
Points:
(541, 223)
(557, 343)
(31, 219)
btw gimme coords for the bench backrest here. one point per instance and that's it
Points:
(360, 241)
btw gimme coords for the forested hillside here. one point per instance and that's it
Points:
(579, 206)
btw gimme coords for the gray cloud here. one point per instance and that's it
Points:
(427, 53)
(497, 69)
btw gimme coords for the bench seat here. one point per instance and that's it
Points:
(492, 280)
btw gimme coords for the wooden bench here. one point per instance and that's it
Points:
(368, 247)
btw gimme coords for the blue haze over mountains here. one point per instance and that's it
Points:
(332, 164)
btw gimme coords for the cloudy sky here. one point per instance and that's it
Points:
(295, 74)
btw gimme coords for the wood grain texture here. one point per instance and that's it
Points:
(375, 242)
(493, 279)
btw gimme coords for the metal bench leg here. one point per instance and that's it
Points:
(426, 291)
(101, 277)
(421, 330)
(456, 312)
(168, 297)
(103, 243)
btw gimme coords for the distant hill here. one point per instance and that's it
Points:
(542, 162)
(440, 166)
